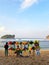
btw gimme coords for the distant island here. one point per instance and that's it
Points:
(8, 37)
(47, 37)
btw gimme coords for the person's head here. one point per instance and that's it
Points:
(6, 43)
(18, 46)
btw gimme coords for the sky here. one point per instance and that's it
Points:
(24, 18)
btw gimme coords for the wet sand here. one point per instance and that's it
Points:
(12, 59)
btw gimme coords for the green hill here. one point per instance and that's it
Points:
(8, 36)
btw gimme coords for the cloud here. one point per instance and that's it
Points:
(22, 3)
(27, 3)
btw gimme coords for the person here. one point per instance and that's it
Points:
(33, 48)
(18, 51)
(30, 50)
(6, 49)
(38, 50)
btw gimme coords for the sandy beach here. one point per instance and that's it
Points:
(12, 59)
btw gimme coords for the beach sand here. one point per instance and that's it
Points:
(12, 59)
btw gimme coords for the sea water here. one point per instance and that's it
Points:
(44, 44)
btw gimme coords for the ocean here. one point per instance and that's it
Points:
(44, 43)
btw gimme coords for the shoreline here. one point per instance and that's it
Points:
(44, 49)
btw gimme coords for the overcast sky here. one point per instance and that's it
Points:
(24, 18)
